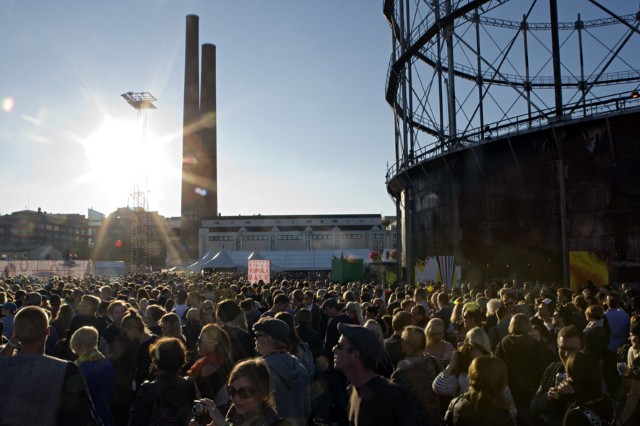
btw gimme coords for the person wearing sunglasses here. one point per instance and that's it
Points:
(211, 371)
(374, 400)
(252, 399)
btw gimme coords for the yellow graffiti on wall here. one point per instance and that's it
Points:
(585, 266)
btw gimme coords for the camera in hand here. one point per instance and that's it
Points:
(200, 413)
(198, 408)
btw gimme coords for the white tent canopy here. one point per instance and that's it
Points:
(256, 256)
(293, 260)
(197, 266)
(222, 260)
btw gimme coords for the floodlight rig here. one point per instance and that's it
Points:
(140, 100)
(140, 241)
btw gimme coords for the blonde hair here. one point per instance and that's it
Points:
(223, 346)
(492, 306)
(478, 337)
(84, 337)
(519, 325)
(414, 339)
(375, 326)
(434, 325)
(356, 309)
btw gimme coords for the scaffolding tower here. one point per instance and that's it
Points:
(140, 253)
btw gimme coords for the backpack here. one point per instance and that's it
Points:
(162, 412)
(162, 416)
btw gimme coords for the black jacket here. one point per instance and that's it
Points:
(311, 337)
(167, 400)
(526, 360)
(462, 412)
(242, 345)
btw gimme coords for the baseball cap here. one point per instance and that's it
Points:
(274, 327)
(361, 338)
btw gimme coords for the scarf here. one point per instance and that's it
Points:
(93, 355)
(195, 370)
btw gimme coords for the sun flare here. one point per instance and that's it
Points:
(120, 158)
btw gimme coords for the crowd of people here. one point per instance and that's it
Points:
(190, 349)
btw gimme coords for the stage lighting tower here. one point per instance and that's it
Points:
(140, 259)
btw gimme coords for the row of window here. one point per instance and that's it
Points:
(292, 237)
(351, 236)
(248, 222)
(56, 228)
(40, 239)
(220, 238)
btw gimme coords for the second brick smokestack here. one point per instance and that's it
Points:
(190, 141)
(208, 132)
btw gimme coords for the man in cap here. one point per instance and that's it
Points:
(289, 379)
(374, 400)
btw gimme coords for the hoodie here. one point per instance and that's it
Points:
(526, 360)
(290, 386)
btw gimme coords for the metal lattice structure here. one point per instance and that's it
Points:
(464, 72)
(140, 250)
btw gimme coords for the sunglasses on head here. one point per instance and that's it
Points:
(245, 392)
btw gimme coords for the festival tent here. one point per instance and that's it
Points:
(255, 256)
(197, 266)
(180, 268)
(300, 260)
(221, 261)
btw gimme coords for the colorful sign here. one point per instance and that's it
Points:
(259, 270)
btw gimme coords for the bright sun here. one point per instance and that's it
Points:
(120, 159)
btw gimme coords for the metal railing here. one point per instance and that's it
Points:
(516, 125)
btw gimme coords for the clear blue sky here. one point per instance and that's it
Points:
(303, 126)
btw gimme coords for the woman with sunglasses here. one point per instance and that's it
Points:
(207, 312)
(252, 399)
(211, 371)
